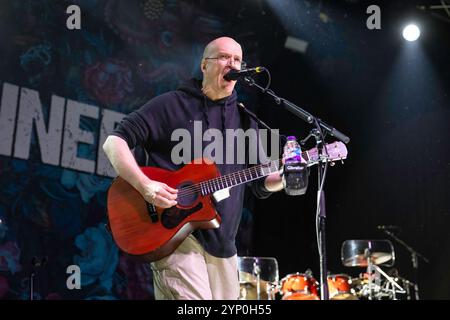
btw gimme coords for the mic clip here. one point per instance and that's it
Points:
(313, 133)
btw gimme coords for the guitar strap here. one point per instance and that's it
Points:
(245, 121)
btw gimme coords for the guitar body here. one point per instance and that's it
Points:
(139, 234)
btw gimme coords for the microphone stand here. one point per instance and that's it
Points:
(322, 169)
(414, 260)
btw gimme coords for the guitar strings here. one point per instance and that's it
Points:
(221, 179)
(195, 188)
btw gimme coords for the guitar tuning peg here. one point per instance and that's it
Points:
(332, 164)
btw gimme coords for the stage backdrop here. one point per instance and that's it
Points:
(62, 92)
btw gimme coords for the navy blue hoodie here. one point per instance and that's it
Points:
(151, 127)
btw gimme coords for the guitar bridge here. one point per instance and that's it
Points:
(152, 212)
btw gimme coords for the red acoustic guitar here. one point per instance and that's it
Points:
(143, 230)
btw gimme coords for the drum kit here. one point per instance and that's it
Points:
(259, 279)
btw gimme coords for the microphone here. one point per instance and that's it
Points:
(389, 228)
(234, 74)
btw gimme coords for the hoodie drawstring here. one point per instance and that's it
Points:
(205, 113)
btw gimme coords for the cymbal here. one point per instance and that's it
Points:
(245, 277)
(249, 287)
(358, 253)
(360, 260)
(249, 291)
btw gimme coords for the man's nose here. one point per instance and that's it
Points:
(233, 64)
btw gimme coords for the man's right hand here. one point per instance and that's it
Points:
(159, 194)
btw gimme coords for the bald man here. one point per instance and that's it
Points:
(204, 266)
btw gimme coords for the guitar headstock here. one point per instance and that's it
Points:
(336, 151)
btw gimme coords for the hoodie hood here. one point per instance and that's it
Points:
(194, 88)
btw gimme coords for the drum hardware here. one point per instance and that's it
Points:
(258, 277)
(372, 254)
(414, 256)
(389, 286)
(410, 288)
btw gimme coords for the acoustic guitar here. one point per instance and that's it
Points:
(140, 229)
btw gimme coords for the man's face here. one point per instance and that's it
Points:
(224, 55)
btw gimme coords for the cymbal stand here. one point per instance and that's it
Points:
(369, 272)
(257, 273)
(390, 281)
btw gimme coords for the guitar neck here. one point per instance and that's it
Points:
(243, 176)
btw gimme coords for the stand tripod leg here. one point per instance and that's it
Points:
(32, 286)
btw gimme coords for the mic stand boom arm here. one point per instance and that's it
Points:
(299, 112)
(414, 259)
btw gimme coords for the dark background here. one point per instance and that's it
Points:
(389, 96)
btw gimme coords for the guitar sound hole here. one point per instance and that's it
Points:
(187, 194)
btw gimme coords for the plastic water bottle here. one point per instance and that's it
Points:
(295, 170)
(292, 150)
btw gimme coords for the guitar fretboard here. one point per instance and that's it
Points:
(242, 176)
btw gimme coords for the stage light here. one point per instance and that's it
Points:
(411, 32)
(296, 44)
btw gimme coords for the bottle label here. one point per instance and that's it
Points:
(293, 154)
(292, 151)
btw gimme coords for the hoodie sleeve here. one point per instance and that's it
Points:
(259, 190)
(147, 125)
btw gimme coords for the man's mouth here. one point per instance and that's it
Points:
(225, 71)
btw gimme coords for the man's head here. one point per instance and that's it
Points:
(220, 55)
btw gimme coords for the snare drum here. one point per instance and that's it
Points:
(299, 286)
(340, 287)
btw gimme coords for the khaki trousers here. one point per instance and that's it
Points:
(190, 273)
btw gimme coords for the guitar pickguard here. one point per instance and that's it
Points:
(172, 217)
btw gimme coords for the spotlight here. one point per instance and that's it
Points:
(411, 32)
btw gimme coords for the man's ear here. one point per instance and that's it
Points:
(203, 65)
